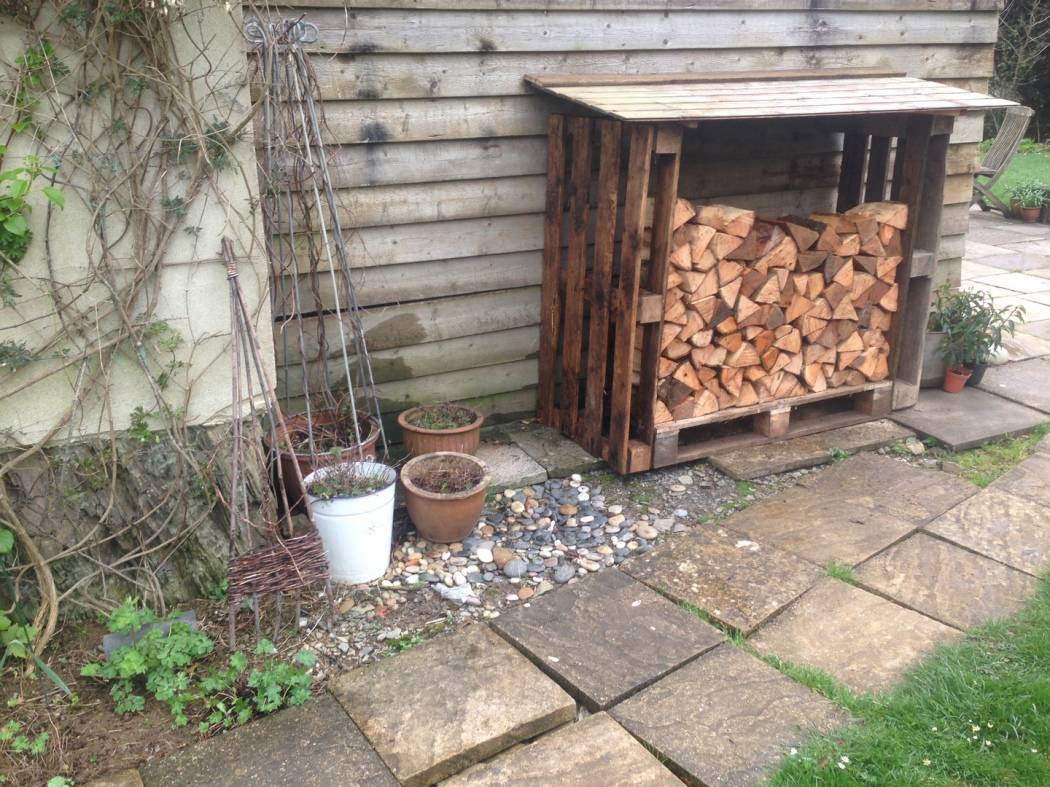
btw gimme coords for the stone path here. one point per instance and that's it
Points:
(606, 680)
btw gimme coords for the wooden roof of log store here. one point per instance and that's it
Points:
(659, 98)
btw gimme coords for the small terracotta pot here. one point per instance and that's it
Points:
(1031, 215)
(419, 441)
(955, 379)
(444, 517)
(294, 432)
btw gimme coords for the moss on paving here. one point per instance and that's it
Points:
(977, 712)
(983, 465)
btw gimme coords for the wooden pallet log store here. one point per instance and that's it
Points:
(672, 328)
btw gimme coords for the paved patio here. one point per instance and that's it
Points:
(628, 676)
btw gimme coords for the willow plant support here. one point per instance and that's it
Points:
(287, 560)
(304, 233)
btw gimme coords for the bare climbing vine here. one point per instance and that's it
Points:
(120, 126)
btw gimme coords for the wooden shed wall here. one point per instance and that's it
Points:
(440, 153)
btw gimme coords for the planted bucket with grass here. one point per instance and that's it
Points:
(444, 493)
(441, 427)
(353, 508)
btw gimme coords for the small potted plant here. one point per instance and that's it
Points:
(1027, 199)
(441, 427)
(444, 493)
(318, 440)
(353, 508)
(973, 329)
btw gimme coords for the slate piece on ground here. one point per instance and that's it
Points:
(606, 637)
(509, 466)
(595, 750)
(450, 703)
(756, 461)
(1004, 527)
(733, 579)
(558, 455)
(1030, 478)
(129, 777)
(892, 486)
(726, 718)
(946, 582)
(1027, 382)
(967, 419)
(864, 641)
(820, 526)
(314, 745)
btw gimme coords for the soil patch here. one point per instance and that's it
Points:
(442, 416)
(446, 474)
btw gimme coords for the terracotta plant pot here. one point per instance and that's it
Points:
(443, 517)
(420, 440)
(955, 379)
(295, 434)
(1031, 215)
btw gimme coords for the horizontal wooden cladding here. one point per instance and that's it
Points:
(426, 280)
(402, 325)
(436, 75)
(419, 120)
(421, 360)
(656, 5)
(425, 31)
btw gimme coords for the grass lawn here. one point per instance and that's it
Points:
(975, 713)
(1031, 165)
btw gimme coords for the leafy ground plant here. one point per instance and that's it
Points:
(165, 663)
(983, 465)
(973, 714)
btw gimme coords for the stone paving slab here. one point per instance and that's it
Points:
(891, 486)
(1033, 309)
(604, 638)
(1012, 261)
(731, 578)
(967, 419)
(557, 454)
(1030, 478)
(509, 466)
(1004, 527)
(595, 750)
(450, 703)
(1039, 328)
(946, 582)
(727, 718)
(864, 641)
(1027, 382)
(1018, 282)
(820, 527)
(313, 745)
(744, 464)
(127, 778)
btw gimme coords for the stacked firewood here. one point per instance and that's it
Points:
(757, 310)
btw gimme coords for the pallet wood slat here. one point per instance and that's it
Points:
(601, 282)
(626, 294)
(550, 310)
(575, 271)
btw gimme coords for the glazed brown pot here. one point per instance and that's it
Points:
(419, 440)
(443, 517)
(295, 433)
(955, 379)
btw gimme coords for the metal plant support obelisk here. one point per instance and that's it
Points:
(310, 264)
(288, 560)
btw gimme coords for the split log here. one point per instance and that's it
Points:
(705, 261)
(889, 300)
(661, 414)
(886, 267)
(706, 307)
(730, 291)
(693, 323)
(769, 292)
(686, 375)
(681, 258)
(665, 367)
(677, 350)
(723, 243)
(708, 356)
(783, 255)
(788, 339)
(805, 232)
(731, 341)
(895, 214)
(701, 338)
(706, 403)
(725, 218)
(811, 260)
(744, 355)
(747, 395)
(683, 212)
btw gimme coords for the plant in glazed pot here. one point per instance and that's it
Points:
(441, 427)
(324, 436)
(1027, 198)
(444, 493)
(353, 509)
(973, 329)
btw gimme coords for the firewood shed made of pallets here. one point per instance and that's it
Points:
(613, 202)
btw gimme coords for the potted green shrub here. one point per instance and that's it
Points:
(972, 329)
(353, 508)
(1027, 199)
(444, 494)
(441, 427)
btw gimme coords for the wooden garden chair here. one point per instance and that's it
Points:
(998, 157)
